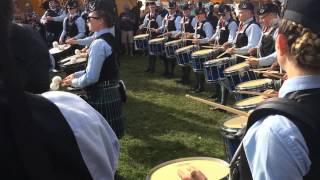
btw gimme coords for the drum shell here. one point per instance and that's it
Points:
(72, 68)
(198, 60)
(214, 71)
(184, 57)
(171, 47)
(141, 43)
(156, 48)
(239, 76)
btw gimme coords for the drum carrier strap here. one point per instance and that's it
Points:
(301, 108)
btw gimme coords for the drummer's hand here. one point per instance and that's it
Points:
(253, 62)
(231, 50)
(67, 81)
(61, 41)
(270, 92)
(195, 174)
(49, 18)
(226, 45)
(168, 33)
(252, 51)
(84, 50)
(275, 66)
(71, 41)
(195, 41)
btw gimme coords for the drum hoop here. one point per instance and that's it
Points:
(185, 50)
(183, 159)
(249, 105)
(253, 87)
(236, 70)
(209, 52)
(59, 50)
(218, 63)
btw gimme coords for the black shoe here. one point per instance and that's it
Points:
(152, 71)
(169, 76)
(165, 74)
(213, 96)
(180, 81)
(199, 90)
(147, 70)
(186, 82)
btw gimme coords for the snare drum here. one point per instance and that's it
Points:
(238, 73)
(199, 57)
(172, 46)
(231, 138)
(213, 69)
(156, 46)
(249, 103)
(212, 168)
(258, 85)
(61, 52)
(183, 55)
(141, 41)
(73, 64)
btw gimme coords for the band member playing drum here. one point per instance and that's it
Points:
(52, 20)
(170, 27)
(73, 25)
(281, 140)
(225, 34)
(249, 32)
(226, 28)
(188, 24)
(205, 30)
(268, 15)
(101, 77)
(151, 20)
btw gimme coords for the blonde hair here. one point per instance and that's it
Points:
(303, 44)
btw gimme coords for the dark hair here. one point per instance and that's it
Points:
(303, 44)
(108, 17)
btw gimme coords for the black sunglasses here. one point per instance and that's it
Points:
(92, 17)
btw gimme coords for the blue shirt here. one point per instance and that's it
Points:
(96, 140)
(274, 146)
(99, 50)
(81, 25)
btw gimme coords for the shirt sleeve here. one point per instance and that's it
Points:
(159, 20)
(86, 41)
(61, 17)
(233, 27)
(99, 51)
(268, 60)
(96, 140)
(177, 23)
(208, 29)
(145, 22)
(215, 36)
(64, 31)
(275, 149)
(81, 25)
(253, 33)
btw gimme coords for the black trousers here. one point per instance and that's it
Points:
(152, 63)
(169, 65)
(186, 71)
(200, 79)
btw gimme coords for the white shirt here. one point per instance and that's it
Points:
(97, 142)
(164, 25)
(232, 26)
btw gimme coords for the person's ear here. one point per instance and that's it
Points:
(281, 44)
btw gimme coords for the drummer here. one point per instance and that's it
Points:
(73, 25)
(249, 32)
(226, 28)
(205, 30)
(152, 20)
(268, 15)
(188, 24)
(170, 27)
(101, 77)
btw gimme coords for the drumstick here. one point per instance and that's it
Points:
(210, 47)
(217, 105)
(257, 93)
(221, 55)
(246, 57)
(272, 75)
(262, 69)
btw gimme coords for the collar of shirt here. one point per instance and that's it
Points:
(248, 21)
(299, 83)
(102, 31)
(170, 15)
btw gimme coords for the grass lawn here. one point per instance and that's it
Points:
(161, 124)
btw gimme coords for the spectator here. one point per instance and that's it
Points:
(127, 27)
(136, 13)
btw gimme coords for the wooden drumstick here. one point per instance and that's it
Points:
(246, 57)
(257, 93)
(217, 105)
(209, 47)
(262, 69)
(266, 74)
(221, 55)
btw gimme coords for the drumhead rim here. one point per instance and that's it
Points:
(180, 160)
(267, 83)
(218, 61)
(68, 46)
(247, 106)
(236, 70)
(194, 54)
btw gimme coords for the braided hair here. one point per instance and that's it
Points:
(303, 44)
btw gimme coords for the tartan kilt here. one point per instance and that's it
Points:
(106, 100)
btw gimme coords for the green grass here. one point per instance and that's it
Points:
(161, 124)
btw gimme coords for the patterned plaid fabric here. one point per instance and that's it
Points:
(106, 100)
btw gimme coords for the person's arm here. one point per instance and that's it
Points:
(162, 27)
(215, 35)
(275, 149)
(233, 27)
(208, 29)
(268, 60)
(97, 142)
(81, 25)
(99, 51)
(86, 41)
(253, 33)
(64, 31)
(159, 20)
(61, 17)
